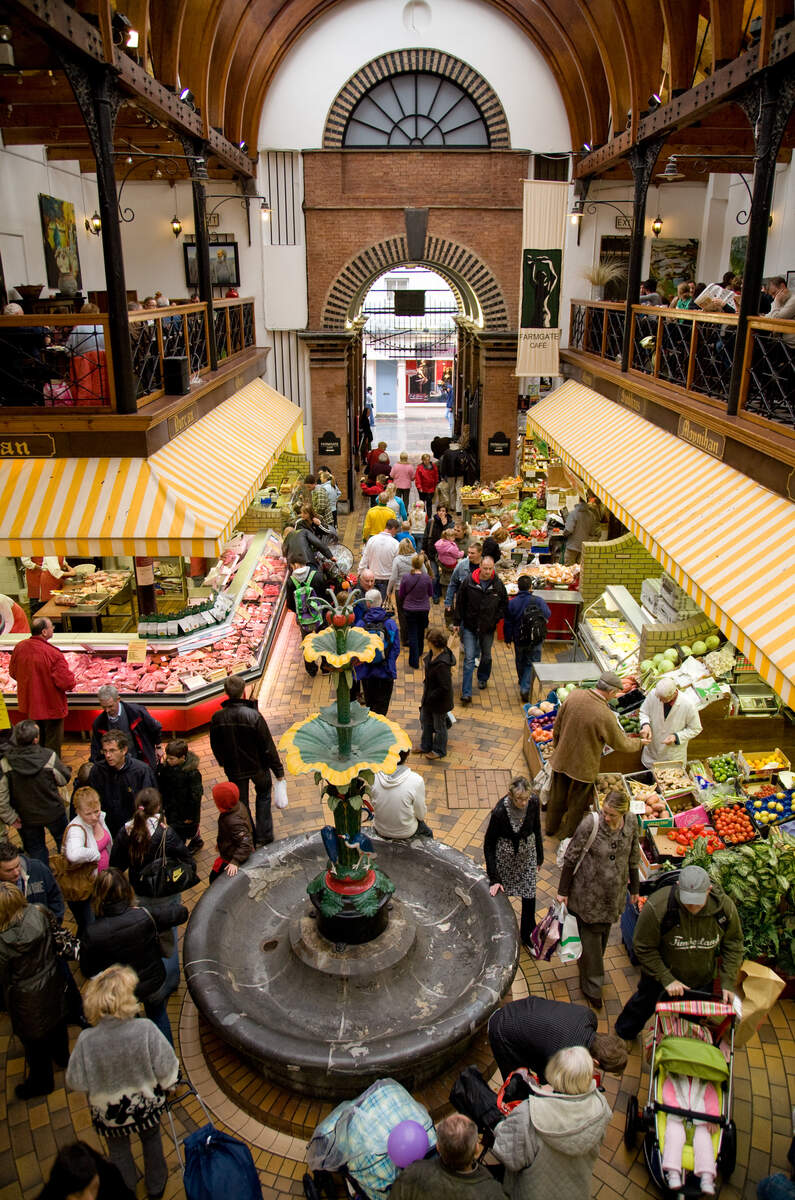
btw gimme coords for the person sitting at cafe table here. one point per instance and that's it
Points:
(87, 337)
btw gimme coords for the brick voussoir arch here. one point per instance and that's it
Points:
(459, 266)
(398, 62)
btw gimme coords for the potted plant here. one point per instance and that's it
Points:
(607, 270)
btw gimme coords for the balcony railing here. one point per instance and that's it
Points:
(693, 352)
(56, 361)
(63, 361)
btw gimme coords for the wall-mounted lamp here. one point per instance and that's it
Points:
(656, 226)
(94, 224)
(265, 210)
(7, 60)
(176, 226)
(575, 214)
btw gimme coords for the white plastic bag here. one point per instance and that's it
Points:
(280, 793)
(569, 946)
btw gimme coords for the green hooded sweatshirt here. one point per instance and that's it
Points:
(690, 949)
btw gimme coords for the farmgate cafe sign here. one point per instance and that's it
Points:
(698, 435)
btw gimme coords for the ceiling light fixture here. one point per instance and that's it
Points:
(243, 146)
(671, 173)
(186, 96)
(176, 226)
(7, 60)
(656, 226)
(586, 148)
(654, 100)
(132, 39)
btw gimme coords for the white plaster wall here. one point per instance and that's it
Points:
(353, 33)
(24, 173)
(780, 254)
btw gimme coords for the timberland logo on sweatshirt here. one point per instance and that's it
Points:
(680, 942)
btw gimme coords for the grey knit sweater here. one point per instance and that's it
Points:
(126, 1067)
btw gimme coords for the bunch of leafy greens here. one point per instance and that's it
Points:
(760, 878)
(527, 511)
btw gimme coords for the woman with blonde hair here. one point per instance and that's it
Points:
(550, 1142)
(394, 501)
(126, 1066)
(33, 989)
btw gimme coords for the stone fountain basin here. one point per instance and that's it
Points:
(329, 1020)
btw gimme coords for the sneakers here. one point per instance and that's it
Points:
(707, 1184)
(482, 684)
(466, 699)
(674, 1180)
(524, 696)
(431, 755)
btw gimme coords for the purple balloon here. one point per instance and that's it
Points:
(407, 1142)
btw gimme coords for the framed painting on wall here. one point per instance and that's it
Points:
(673, 261)
(59, 233)
(737, 252)
(224, 265)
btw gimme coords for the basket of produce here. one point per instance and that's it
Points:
(541, 729)
(672, 779)
(630, 722)
(725, 767)
(643, 790)
(767, 804)
(544, 709)
(733, 824)
(762, 764)
(687, 837)
(609, 781)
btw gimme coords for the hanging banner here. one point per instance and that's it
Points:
(543, 230)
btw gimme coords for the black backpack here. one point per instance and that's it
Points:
(385, 634)
(532, 627)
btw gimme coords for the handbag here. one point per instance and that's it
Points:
(165, 876)
(564, 845)
(76, 880)
(547, 933)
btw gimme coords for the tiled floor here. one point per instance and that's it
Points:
(414, 432)
(485, 744)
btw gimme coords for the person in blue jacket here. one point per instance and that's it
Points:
(515, 630)
(377, 678)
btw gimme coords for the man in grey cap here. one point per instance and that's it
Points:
(584, 726)
(682, 932)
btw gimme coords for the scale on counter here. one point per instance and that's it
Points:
(756, 699)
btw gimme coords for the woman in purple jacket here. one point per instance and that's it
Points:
(416, 590)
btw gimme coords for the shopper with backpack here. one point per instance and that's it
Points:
(526, 626)
(378, 677)
(304, 596)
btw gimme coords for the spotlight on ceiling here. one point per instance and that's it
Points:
(94, 224)
(200, 168)
(586, 148)
(654, 100)
(243, 146)
(176, 226)
(132, 39)
(671, 173)
(186, 96)
(7, 61)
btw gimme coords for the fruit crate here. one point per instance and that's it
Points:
(716, 764)
(665, 819)
(753, 769)
(762, 805)
(674, 791)
(724, 803)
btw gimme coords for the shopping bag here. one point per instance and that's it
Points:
(759, 989)
(472, 1096)
(569, 946)
(217, 1165)
(547, 933)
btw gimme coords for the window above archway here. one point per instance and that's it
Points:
(416, 109)
(416, 97)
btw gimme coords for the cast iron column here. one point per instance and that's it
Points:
(642, 158)
(767, 104)
(199, 150)
(99, 100)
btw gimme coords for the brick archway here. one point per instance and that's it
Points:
(435, 62)
(475, 287)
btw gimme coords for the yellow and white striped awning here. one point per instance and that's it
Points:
(729, 542)
(185, 499)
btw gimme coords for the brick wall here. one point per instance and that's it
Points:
(621, 561)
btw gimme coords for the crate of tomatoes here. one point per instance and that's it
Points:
(675, 843)
(733, 824)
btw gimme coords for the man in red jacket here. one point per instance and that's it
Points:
(43, 679)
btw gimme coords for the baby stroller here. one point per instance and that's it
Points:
(686, 1041)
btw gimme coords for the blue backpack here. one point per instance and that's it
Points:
(218, 1166)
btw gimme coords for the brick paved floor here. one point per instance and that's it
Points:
(485, 749)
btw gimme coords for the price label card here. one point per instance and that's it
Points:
(214, 676)
(238, 668)
(136, 651)
(638, 807)
(5, 720)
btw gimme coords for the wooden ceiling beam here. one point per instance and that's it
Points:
(57, 20)
(691, 106)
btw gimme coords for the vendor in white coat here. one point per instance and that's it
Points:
(668, 720)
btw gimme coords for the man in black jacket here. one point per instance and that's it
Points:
(526, 1033)
(30, 776)
(481, 603)
(118, 779)
(305, 543)
(35, 881)
(243, 746)
(140, 726)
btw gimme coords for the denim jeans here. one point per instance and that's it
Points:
(434, 732)
(475, 645)
(417, 624)
(157, 1013)
(525, 657)
(262, 823)
(34, 842)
